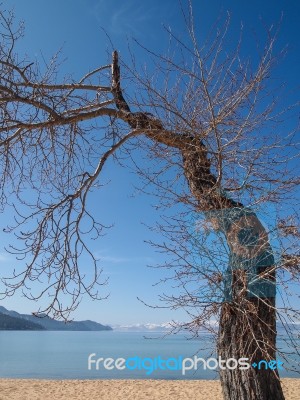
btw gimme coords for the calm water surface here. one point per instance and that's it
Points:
(64, 355)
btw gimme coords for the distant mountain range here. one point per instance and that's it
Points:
(11, 320)
(148, 327)
(294, 329)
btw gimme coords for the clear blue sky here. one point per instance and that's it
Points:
(75, 25)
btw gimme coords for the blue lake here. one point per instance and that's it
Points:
(64, 355)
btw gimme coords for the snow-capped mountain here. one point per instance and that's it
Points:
(152, 327)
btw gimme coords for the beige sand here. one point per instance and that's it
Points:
(23, 389)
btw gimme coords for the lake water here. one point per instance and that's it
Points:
(64, 355)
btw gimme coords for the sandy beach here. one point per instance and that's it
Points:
(29, 389)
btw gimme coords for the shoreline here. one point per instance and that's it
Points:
(36, 389)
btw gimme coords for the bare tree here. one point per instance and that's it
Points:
(213, 150)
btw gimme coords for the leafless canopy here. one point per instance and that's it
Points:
(56, 137)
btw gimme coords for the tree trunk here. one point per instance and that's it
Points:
(248, 318)
(239, 336)
(247, 326)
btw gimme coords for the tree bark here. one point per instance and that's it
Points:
(248, 316)
(252, 336)
(247, 326)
